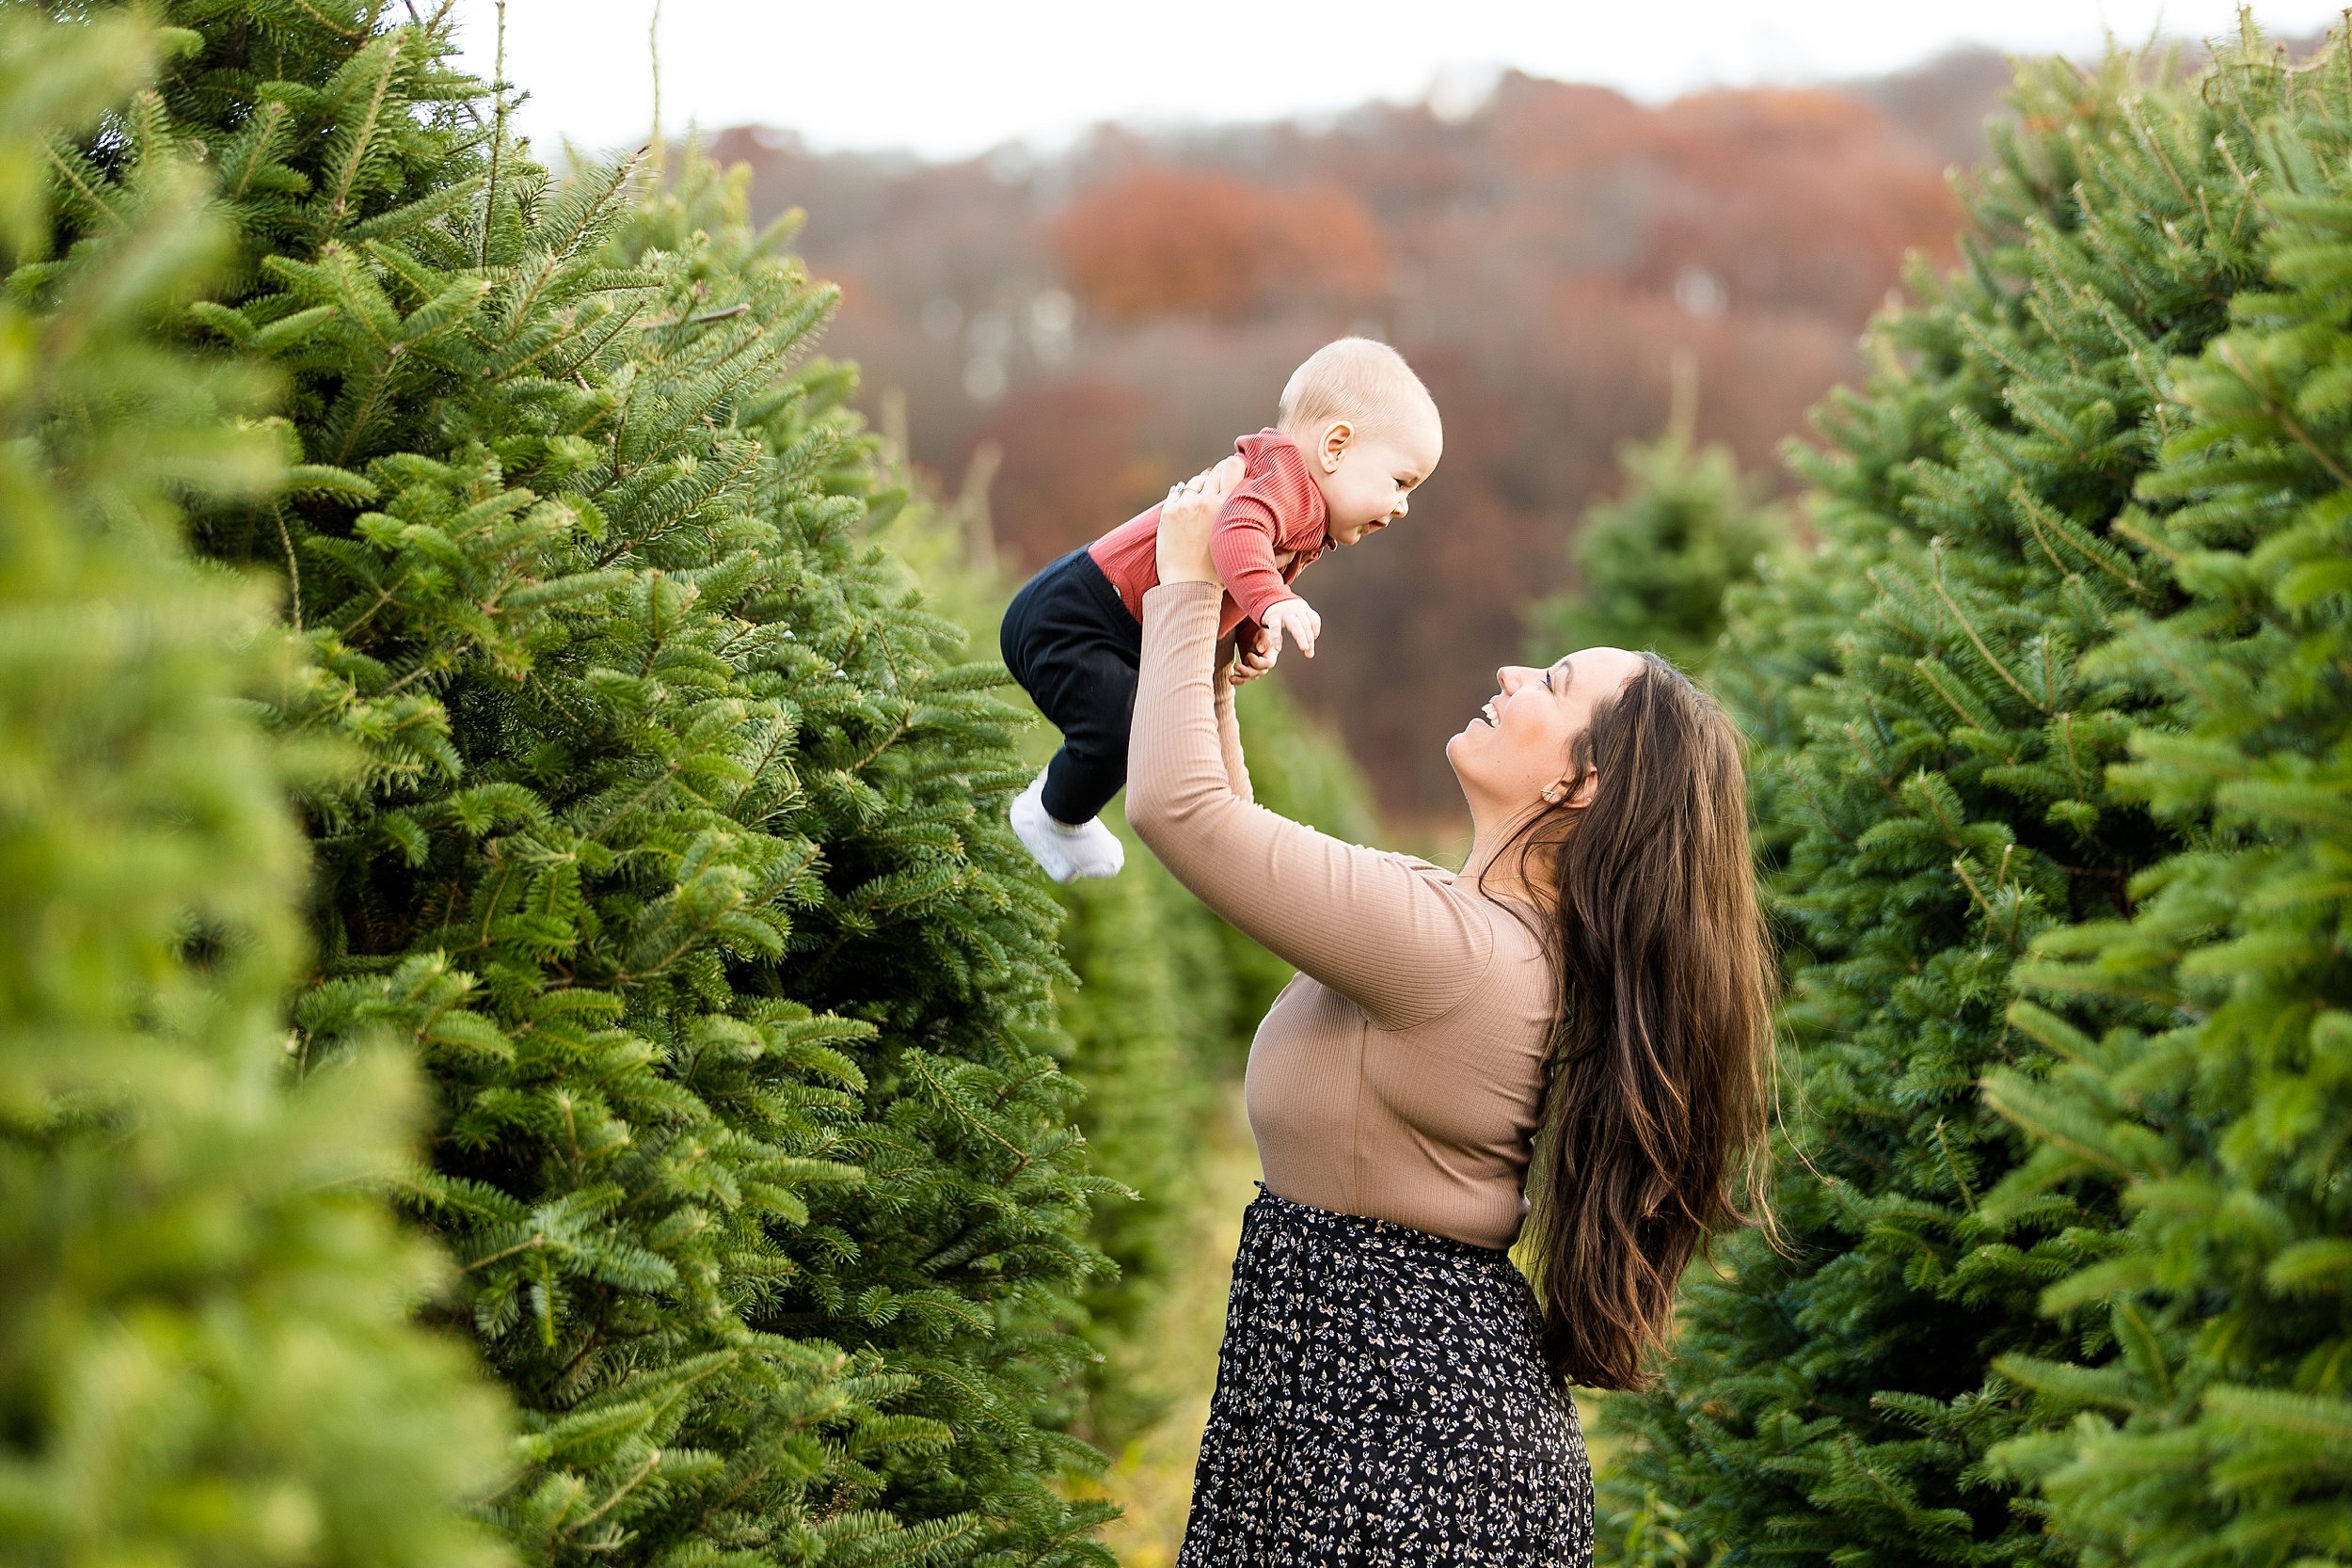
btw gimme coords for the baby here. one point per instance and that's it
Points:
(1355, 433)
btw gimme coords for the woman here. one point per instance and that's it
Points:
(1593, 987)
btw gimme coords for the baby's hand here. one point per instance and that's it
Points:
(1254, 654)
(1296, 617)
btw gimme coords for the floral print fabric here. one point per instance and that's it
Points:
(1381, 1402)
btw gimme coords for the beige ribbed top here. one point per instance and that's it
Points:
(1398, 1076)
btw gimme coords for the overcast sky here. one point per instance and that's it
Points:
(948, 77)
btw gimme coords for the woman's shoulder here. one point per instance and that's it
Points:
(1516, 926)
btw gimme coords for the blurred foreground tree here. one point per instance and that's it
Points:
(205, 1352)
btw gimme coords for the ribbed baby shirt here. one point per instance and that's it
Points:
(1400, 1074)
(1273, 509)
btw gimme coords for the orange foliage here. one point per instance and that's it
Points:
(1801, 199)
(1160, 241)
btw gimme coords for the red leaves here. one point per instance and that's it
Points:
(1160, 241)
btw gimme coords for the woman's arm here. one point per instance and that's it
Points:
(1402, 947)
(1228, 732)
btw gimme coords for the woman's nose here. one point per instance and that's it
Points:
(1510, 677)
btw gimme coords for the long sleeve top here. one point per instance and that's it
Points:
(1275, 510)
(1400, 1074)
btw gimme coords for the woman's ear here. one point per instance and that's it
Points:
(1337, 438)
(1586, 787)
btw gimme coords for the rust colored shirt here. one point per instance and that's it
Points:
(1400, 1075)
(1276, 508)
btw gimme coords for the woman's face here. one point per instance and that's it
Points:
(1519, 743)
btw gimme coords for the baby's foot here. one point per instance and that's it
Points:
(1093, 849)
(1067, 853)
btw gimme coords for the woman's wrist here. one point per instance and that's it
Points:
(1187, 518)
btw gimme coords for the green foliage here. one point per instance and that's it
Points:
(1151, 1029)
(2203, 1047)
(1654, 564)
(676, 850)
(205, 1353)
(1937, 795)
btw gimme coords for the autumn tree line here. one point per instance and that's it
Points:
(1106, 319)
(523, 1035)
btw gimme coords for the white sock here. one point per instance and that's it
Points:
(1067, 853)
(1093, 849)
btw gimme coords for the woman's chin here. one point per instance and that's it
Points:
(1458, 760)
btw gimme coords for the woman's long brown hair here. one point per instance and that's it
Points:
(1656, 1108)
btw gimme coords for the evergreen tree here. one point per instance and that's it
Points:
(2219, 1089)
(677, 855)
(1149, 1026)
(1654, 564)
(205, 1353)
(1939, 794)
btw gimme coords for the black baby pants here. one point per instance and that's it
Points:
(1070, 641)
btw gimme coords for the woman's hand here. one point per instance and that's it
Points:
(1184, 519)
(1254, 653)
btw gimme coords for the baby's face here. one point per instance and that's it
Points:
(1372, 483)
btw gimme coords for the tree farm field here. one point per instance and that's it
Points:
(528, 1039)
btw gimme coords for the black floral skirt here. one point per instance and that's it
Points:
(1381, 1399)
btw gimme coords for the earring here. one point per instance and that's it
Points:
(1551, 796)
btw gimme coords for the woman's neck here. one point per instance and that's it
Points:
(1491, 870)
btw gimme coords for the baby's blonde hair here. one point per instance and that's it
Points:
(1352, 378)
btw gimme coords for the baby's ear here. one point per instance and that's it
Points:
(1337, 438)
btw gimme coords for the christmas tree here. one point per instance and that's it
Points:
(2203, 1046)
(205, 1351)
(1654, 564)
(1937, 793)
(674, 849)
